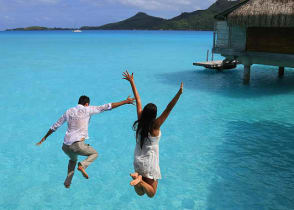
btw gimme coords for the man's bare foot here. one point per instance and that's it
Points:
(82, 170)
(136, 181)
(67, 186)
(134, 175)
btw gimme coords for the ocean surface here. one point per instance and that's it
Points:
(224, 146)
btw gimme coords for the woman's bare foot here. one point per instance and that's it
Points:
(134, 175)
(136, 181)
(82, 170)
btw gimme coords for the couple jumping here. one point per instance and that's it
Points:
(146, 157)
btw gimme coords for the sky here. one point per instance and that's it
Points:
(77, 13)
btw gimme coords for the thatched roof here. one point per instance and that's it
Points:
(261, 13)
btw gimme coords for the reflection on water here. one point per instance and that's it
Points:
(254, 167)
(264, 81)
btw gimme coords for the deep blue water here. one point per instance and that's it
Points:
(224, 146)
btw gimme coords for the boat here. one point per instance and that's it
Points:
(77, 30)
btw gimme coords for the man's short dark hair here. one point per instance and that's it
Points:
(83, 100)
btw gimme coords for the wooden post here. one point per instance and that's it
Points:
(212, 55)
(207, 55)
(246, 76)
(230, 37)
(281, 71)
(214, 34)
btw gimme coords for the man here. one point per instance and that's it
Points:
(74, 141)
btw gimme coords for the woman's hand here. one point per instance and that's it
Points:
(181, 88)
(130, 100)
(127, 76)
(130, 78)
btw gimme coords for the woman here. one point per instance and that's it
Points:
(146, 158)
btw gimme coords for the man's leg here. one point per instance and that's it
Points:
(70, 173)
(85, 150)
(71, 165)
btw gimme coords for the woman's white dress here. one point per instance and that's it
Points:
(146, 160)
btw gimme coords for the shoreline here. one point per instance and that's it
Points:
(12, 30)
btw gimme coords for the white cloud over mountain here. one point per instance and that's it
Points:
(155, 4)
(158, 4)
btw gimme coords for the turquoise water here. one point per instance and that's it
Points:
(224, 146)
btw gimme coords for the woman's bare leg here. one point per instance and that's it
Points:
(139, 190)
(149, 185)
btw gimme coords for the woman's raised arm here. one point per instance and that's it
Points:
(160, 120)
(130, 78)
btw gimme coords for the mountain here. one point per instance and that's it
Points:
(197, 20)
(139, 21)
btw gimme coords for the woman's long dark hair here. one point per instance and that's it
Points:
(144, 125)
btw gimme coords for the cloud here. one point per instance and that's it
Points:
(163, 4)
(143, 4)
(49, 1)
(36, 2)
(3, 6)
(94, 2)
(8, 17)
(154, 5)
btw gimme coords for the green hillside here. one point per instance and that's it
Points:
(200, 19)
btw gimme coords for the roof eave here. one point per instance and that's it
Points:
(223, 15)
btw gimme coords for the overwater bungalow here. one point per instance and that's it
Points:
(257, 32)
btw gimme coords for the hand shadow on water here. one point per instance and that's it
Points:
(254, 167)
(264, 81)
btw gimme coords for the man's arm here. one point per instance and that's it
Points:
(105, 107)
(129, 100)
(45, 137)
(53, 128)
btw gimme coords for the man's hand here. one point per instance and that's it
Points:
(40, 142)
(45, 137)
(130, 100)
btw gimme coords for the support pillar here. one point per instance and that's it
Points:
(281, 71)
(246, 75)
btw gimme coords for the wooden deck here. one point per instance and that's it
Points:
(219, 64)
(209, 64)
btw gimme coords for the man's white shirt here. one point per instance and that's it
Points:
(77, 121)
